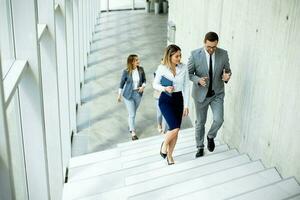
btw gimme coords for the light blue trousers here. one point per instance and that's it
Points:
(132, 105)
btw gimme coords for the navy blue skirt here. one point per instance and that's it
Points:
(171, 108)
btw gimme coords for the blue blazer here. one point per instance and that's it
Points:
(127, 81)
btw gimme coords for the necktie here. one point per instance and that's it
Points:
(210, 72)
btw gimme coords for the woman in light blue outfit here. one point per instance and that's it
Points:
(132, 86)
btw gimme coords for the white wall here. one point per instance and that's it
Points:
(262, 100)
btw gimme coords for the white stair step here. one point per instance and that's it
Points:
(182, 133)
(202, 182)
(154, 141)
(189, 154)
(148, 147)
(85, 187)
(116, 164)
(276, 191)
(205, 180)
(115, 153)
(148, 159)
(165, 181)
(94, 157)
(146, 143)
(79, 188)
(296, 197)
(154, 150)
(235, 187)
(180, 167)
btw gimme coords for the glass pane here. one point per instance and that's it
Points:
(140, 3)
(103, 4)
(6, 40)
(16, 148)
(122, 4)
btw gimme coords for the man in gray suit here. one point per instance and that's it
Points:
(208, 70)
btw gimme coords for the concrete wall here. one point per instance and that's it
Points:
(262, 103)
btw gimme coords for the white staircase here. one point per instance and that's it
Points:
(135, 170)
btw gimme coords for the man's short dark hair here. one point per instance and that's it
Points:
(211, 36)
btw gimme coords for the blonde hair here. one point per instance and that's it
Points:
(130, 60)
(169, 52)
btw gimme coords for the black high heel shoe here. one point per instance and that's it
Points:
(170, 163)
(164, 155)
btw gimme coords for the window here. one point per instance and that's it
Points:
(6, 37)
(122, 4)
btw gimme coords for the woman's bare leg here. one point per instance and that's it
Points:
(172, 145)
(170, 135)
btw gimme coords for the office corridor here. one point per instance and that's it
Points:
(113, 167)
(102, 122)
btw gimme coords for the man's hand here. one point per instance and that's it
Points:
(203, 80)
(226, 76)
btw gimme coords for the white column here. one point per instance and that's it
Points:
(49, 73)
(85, 33)
(77, 50)
(81, 40)
(6, 182)
(92, 20)
(63, 78)
(31, 102)
(71, 66)
(89, 21)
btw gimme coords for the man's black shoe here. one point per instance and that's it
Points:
(210, 144)
(200, 153)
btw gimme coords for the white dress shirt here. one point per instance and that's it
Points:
(212, 58)
(181, 81)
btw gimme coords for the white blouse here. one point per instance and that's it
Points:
(181, 81)
(135, 78)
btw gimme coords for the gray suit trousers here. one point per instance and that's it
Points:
(216, 104)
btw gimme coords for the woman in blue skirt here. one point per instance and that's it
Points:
(172, 79)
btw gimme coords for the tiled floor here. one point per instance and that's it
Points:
(102, 122)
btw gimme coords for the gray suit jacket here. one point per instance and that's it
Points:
(127, 83)
(198, 68)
